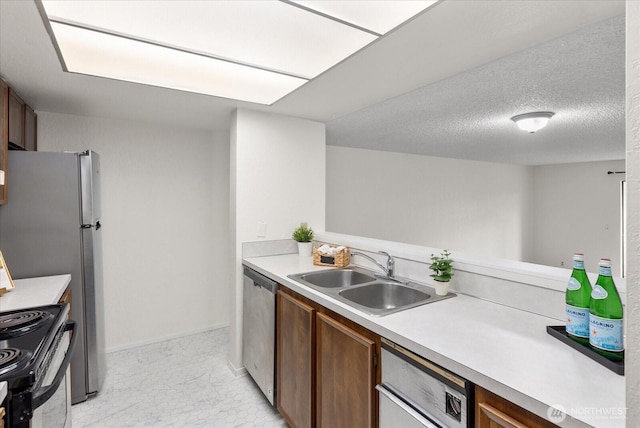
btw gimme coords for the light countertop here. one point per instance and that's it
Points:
(29, 292)
(500, 348)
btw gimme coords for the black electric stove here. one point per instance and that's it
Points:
(29, 340)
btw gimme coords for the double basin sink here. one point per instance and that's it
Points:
(365, 291)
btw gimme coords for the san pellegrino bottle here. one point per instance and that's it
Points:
(578, 299)
(605, 319)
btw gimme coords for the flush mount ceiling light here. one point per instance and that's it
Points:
(532, 122)
(256, 51)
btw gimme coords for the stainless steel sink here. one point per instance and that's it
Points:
(335, 278)
(384, 295)
(361, 289)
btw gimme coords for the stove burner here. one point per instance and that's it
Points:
(8, 355)
(18, 323)
(28, 344)
(19, 319)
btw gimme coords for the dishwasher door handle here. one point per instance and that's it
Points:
(419, 418)
(260, 280)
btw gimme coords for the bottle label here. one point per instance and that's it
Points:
(598, 292)
(605, 270)
(573, 284)
(605, 333)
(578, 264)
(577, 321)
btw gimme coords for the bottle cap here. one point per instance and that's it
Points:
(578, 256)
(605, 262)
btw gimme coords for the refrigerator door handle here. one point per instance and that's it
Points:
(89, 226)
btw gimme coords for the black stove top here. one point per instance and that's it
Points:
(26, 335)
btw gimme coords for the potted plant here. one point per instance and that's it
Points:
(441, 267)
(303, 235)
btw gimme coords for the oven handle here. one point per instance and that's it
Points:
(43, 394)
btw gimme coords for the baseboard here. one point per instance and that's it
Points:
(235, 370)
(163, 338)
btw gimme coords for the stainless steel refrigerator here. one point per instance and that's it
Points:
(51, 225)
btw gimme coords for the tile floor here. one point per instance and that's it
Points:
(180, 383)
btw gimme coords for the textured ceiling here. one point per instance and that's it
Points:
(580, 77)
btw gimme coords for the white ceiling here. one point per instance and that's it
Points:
(452, 37)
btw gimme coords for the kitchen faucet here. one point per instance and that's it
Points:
(390, 262)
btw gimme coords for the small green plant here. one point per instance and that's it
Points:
(303, 233)
(441, 266)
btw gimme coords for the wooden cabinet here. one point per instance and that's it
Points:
(325, 366)
(21, 122)
(18, 129)
(30, 129)
(66, 298)
(345, 376)
(4, 136)
(295, 359)
(16, 121)
(493, 411)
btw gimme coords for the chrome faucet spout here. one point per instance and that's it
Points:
(388, 270)
(390, 263)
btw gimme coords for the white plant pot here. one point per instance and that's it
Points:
(304, 249)
(442, 288)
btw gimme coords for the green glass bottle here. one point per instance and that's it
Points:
(605, 319)
(578, 299)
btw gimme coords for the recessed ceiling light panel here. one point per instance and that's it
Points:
(380, 16)
(98, 54)
(267, 34)
(251, 50)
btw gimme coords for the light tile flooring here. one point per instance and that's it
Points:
(179, 383)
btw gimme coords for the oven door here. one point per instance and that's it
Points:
(50, 404)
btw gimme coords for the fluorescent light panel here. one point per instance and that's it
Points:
(98, 54)
(276, 47)
(267, 34)
(380, 16)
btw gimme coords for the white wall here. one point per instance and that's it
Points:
(632, 368)
(577, 208)
(277, 177)
(165, 216)
(474, 207)
(536, 214)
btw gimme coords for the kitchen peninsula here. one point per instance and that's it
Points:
(499, 347)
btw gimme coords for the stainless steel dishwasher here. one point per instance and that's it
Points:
(417, 393)
(259, 330)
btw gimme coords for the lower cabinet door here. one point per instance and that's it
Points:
(295, 349)
(493, 411)
(345, 376)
